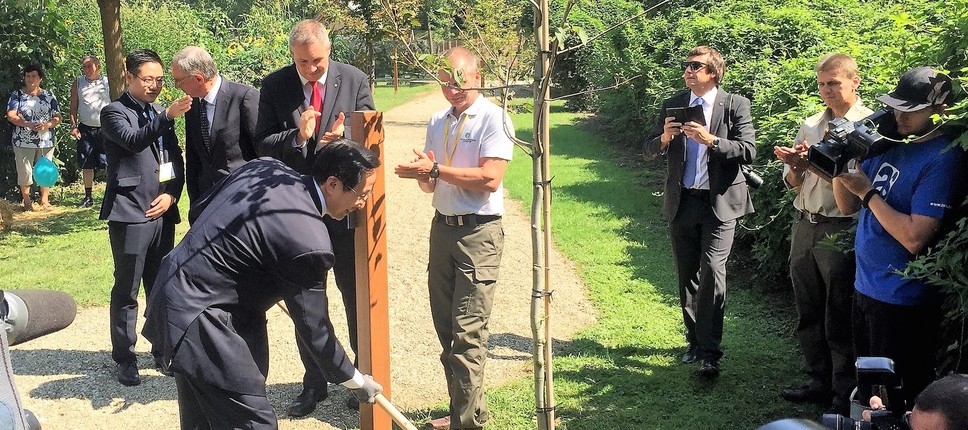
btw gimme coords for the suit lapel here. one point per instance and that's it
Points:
(220, 117)
(329, 102)
(719, 109)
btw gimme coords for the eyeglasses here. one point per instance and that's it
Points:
(362, 197)
(160, 81)
(695, 66)
(178, 81)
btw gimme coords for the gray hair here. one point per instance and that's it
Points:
(196, 60)
(307, 31)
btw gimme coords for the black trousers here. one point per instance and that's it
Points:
(344, 268)
(906, 334)
(823, 288)
(202, 406)
(137, 250)
(701, 244)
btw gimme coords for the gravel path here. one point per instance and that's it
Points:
(67, 379)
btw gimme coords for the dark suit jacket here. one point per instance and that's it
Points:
(232, 137)
(283, 101)
(133, 161)
(728, 194)
(256, 237)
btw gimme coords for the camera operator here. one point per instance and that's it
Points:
(905, 193)
(943, 405)
(823, 279)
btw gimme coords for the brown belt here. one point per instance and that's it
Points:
(817, 218)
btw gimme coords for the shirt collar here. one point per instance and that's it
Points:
(708, 99)
(212, 95)
(322, 200)
(305, 81)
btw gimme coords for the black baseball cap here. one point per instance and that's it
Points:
(919, 88)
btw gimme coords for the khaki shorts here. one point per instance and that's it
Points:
(24, 158)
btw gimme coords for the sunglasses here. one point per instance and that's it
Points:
(695, 66)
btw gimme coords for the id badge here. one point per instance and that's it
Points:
(166, 172)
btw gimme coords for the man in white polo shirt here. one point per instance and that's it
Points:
(463, 163)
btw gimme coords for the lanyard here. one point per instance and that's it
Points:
(150, 114)
(448, 151)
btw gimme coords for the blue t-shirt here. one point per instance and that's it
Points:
(915, 178)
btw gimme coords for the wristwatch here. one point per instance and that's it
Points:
(715, 142)
(434, 171)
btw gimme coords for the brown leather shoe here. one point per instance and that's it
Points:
(442, 423)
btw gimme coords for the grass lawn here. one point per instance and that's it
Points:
(623, 372)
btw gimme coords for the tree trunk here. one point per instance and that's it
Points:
(113, 50)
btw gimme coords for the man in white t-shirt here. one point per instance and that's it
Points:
(463, 163)
(89, 94)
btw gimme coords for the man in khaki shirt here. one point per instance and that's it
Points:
(823, 279)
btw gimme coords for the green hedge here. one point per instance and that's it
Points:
(770, 51)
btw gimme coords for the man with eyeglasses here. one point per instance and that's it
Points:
(220, 126)
(823, 278)
(463, 162)
(906, 197)
(145, 178)
(302, 108)
(256, 237)
(705, 194)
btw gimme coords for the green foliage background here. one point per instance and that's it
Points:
(770, 51)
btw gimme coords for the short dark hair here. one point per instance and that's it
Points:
(136, 58)
(949, 396)
(345, 160)
(716, 62)
(34, 67)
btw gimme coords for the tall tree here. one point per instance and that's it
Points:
(113, 49)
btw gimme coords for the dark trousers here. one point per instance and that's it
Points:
(202, 406)
(137, 250)
(701, 244)
(462, 280)
(344, 268)
(905, 334)
(823, 287)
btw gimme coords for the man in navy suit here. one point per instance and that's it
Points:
(145, 179)
(301, 109)
(220, 127)
(257, 237)
(705, 193)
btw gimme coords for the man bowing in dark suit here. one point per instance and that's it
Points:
(256, 237)
(301, 109)
(220, 127)
(145, 178)
(705, 193)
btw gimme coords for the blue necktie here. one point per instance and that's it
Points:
(692, 151)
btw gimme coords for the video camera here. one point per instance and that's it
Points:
(846, 140)
(26, 315)
(877, 373)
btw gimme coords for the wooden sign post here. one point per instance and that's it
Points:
(372, 310)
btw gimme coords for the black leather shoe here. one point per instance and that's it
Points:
(305, 403)
(805, 393)
(161, 367)
(690, 355)
(128, 374)
(709, 368)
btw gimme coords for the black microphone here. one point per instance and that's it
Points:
(29, 314)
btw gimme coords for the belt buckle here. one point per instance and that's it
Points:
(811, 217)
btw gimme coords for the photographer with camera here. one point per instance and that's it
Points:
(905, 193)
(943, 405)
(823, 279)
